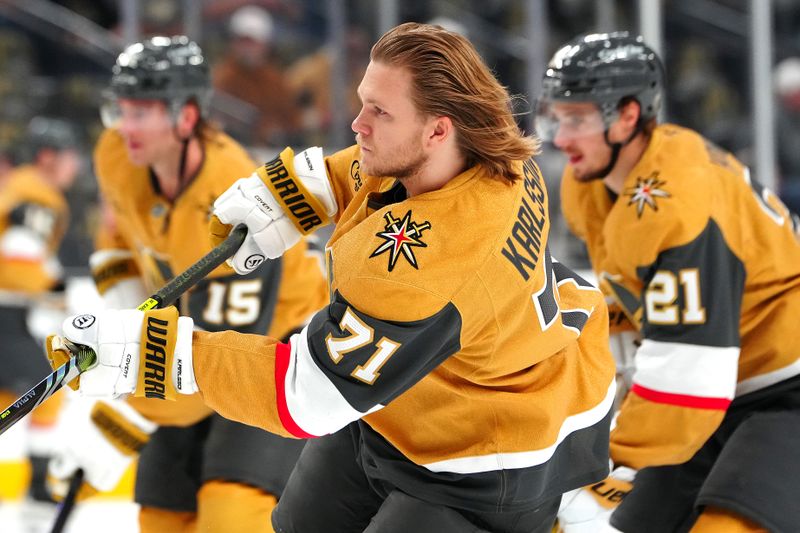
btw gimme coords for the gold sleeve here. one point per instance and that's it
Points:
(654, 434)
(236, 376)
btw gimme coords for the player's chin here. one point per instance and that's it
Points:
(587, 176)
(136, 155)
(368, 165)
(583, 173)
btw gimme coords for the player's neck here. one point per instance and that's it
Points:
(46, 173)
(434, 174)
(629, 156)
(166, 170)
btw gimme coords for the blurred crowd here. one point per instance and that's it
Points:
(273, 68)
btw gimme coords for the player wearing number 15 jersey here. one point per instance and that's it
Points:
(460, 378)
(706, 263)
(159, 168)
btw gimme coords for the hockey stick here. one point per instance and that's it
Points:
(84, 357)
(167, 295)
(66, 505)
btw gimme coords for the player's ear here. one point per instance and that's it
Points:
(627, 119)
(187, 119)
(629, 114)
(441, 128)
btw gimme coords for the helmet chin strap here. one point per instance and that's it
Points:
(615, 149)
(182, 162)
(184, 148)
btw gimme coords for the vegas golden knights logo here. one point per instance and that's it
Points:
(646, 192)
(400, 235)
(155, 363)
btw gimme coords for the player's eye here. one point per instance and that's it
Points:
(573, 121)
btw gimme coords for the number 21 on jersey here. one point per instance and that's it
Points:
(662, 303)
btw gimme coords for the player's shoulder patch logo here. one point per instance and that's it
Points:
(400, 235)
(645, 192)
(355, 174)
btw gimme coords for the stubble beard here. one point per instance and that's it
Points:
(411, 161)
(586, 177)
(593, 174)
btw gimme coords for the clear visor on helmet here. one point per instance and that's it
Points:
(564, 119)
(117, 113)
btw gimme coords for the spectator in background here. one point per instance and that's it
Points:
(310, 80)
(249, 73)
(786, 80)
(702, 98)
(6, 165)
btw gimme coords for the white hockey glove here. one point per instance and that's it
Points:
(588, 509)
(145, 353)
(117, 278)
(103, 442)
(288, 197)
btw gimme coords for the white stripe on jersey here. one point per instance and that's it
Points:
(763, 381)
(314, 403)
(689, 369)
(507, 461)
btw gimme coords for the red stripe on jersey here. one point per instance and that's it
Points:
(684, 400)
(283, 354)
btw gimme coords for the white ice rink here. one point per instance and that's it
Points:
(100, 516)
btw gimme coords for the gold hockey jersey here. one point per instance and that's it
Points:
(33, 219)
(166, 238)
(452, 334)
(706, 262)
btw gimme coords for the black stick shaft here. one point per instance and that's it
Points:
(66, 505)
(86, 358)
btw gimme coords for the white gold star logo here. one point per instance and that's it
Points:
(645, 193)
(400, 235)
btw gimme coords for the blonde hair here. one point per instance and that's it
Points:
(450, 79)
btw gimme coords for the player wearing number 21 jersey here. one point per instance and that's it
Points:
(689, 268)
(705, 262)
(697, 274)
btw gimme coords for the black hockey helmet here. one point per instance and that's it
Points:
(171, 69)
(48, 132)
(604, 68)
